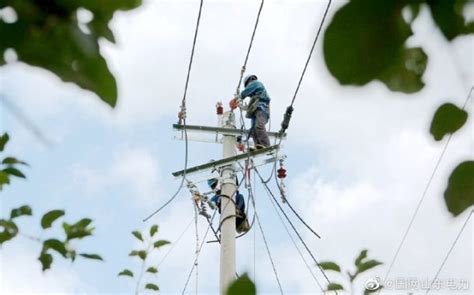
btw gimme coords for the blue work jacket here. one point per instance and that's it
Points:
(256, 88)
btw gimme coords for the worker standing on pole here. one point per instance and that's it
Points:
(258, 109)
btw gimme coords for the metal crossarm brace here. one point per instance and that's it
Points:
(221, 130)
(226, 161)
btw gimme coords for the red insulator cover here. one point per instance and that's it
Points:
(281, 172)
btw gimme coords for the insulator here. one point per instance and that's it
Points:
(286, 118)
(281, 172)
(219, 108)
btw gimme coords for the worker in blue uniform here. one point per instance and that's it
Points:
(241, 223)
(258, 109)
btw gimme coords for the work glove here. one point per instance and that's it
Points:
(235, 103)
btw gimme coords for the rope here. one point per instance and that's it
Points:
(294, 228)
(415, 213)
(269, 253)
(183, 111)
(197, 245)
(197, 256)
(449, 252)
(242, 71)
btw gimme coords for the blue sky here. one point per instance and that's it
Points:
(358, 158)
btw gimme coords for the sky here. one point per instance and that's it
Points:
(358, 158)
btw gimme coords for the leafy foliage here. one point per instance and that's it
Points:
(460, 192)
(243, 285)
(366, 40)
(361, 264)
(48, 218)
(447, 119)
(150, 245)
(9, 229)
(50, 35)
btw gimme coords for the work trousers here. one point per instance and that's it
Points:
(258, 131)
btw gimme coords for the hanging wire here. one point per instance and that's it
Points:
(183, 112)
(293, 210)
(294, 228)
(197, 245)
(197, 256)
(268, 252)
(176, 243)
(422, 198)
(449, 252)
(27, 122)
(289, 110)
(242, 71)
(294, 243)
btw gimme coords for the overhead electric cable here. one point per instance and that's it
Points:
(294, 228)
(183, 116)
(242, 71)
(422, 198)
(176, 242)
(449, 252)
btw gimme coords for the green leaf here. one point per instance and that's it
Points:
(50, 27)
(14, 172)
(91, 256)
(459, 194)
(362, 255)
(243, 285)
(152, 287)
(448, 15)
(328, 265)
(10, 230)
(153, 230)
(447, 119)
(364, 266)
(406, 71)
(46, 260)
(133, 253)
(335, 287)
(138, 235)
(48, 218)
(126, 272)
(4, 179)
(23, 210)
(78, 230)
(160, 243)
(12, 161)
(142, 254)
(152, 269)
(56, 245)
(365, 41)
(3, 139)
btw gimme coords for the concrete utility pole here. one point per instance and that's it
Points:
(227, 221)
(228, 169)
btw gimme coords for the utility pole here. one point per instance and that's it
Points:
(228, 197)
(226, 134)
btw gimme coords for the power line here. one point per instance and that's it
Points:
(449, 252)
(177, 241)
(183, 116)
(250, 46)
(287, 116)
(268, 252)
(293, 210)
(294, 228)
(428, 184)
(294, 243)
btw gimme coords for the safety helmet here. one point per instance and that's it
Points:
(249, 79)
(212, 182)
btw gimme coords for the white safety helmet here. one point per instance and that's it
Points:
(249, 79)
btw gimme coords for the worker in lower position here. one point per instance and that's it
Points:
(258, 109)
(241, 223)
